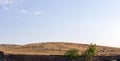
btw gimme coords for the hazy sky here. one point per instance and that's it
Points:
(79, 21)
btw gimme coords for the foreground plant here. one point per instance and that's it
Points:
(72, 54)
(90, 52)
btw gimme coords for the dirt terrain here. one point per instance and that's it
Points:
(54, 48)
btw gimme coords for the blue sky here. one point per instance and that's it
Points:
(78, 21)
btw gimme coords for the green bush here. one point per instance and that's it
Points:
(72, 54)
(90, 52)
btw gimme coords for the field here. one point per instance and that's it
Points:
(54, 48)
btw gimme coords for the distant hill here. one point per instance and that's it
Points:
(8, 45)
(54, 48)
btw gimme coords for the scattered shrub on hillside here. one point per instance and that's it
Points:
(90, 52)
(73, 53)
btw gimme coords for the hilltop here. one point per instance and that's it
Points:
(54, 48)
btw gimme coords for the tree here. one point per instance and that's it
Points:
(90, 52)
(72, 54)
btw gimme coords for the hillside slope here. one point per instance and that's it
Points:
(54, 48)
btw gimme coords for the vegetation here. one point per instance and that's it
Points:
(72, 54)
(90, 52)
(54, 48)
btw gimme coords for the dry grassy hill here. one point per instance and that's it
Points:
(54, 48)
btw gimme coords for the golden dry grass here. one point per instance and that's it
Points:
(54, 48)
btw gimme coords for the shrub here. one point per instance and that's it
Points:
(90, 52)
(72, 54)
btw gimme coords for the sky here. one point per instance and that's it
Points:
(77, 21)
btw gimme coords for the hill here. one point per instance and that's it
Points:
(54, 48)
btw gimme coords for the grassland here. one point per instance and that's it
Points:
(54, 48)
